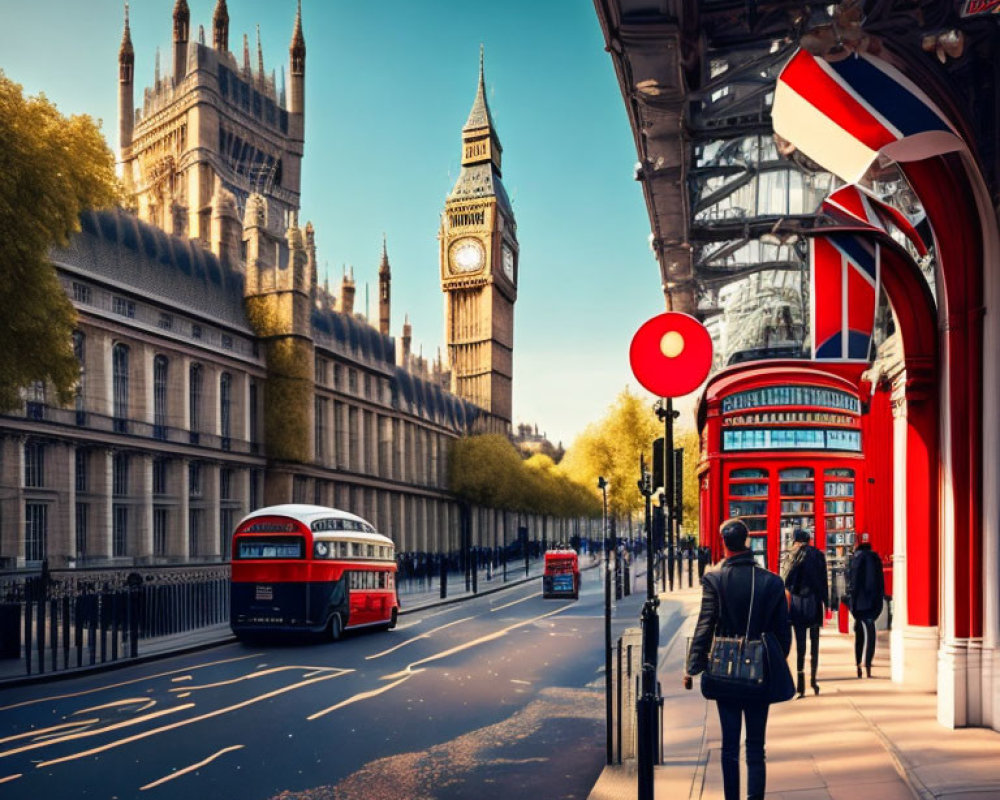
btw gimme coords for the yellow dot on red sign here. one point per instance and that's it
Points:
(672, 344)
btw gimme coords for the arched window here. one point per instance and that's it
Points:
(225, 407)
(120, 386)
(160, 365)
(194, 402)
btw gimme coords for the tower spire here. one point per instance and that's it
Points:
(479, 116)
(246, 56)
(220, 26)
(297, 73)
(260, 58)
(126, 51)
(126, 70)
(384, 281)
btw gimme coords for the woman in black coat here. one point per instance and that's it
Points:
(725, 609)
(866, 596)
(806, 587)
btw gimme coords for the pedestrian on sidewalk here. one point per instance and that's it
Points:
(741, 599)
(866, 596)
(806, 590)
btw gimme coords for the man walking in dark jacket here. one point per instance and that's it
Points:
(739, 599)
(806, 588)
(866, 593)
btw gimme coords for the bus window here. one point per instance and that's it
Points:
(270, 547)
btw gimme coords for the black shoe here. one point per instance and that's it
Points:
(815, 686)
(868, 670)
(802, 684)
(859, 670)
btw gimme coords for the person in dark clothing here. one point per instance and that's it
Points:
(806, 589)
(866, 596)
(728, 612)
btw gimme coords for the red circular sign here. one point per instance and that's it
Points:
(671, 354)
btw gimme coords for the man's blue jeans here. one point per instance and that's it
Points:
(731, 714)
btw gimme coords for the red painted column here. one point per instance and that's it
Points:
(922, 546)
(943, 189)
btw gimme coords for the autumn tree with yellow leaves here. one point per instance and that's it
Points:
(487, 470)
(611, 447)
(52, 167)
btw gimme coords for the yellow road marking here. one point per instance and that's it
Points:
(362, 696)
(130, 701)
(127, 683)
(416, 638)
(193, 767)
(11, 777)
(183, 722)
(475, 642)
(259, 674)
(180, 678)
(37, 731)
(515, 602)
(96, 731)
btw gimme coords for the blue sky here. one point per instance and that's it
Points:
(388, 88)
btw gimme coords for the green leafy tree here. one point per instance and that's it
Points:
(52, 167)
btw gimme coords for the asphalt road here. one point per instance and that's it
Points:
(496, 697)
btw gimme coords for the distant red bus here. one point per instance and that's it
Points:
(311, 568)
(561, 577)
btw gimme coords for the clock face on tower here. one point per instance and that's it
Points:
(466, 255)
(508, 263)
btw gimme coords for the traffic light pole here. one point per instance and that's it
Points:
(647, 703)
(665, 411)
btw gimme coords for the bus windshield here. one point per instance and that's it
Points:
(270, 547)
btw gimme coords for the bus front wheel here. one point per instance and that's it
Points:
(336, 627)
(392, 620)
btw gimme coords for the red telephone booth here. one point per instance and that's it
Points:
(783, 447)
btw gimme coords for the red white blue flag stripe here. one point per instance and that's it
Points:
(845, 284)
(857, 205)
(844, 114)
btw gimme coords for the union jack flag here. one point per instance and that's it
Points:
(854, 204)
(845, 282)
(843, 114)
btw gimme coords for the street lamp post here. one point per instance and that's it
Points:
(602, 484)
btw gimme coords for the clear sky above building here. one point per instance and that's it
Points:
(388, 88)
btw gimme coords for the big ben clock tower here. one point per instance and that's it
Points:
(479, 269)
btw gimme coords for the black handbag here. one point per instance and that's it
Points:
(804, 609)
(735, 669)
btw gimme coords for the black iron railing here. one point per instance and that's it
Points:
(55, 620)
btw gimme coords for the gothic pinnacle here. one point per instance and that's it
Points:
(260, 57)
(125, 52)
(383, 267)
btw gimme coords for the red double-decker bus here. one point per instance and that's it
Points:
(561, 577)
(311, 568)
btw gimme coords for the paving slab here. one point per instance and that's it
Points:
(857, 739)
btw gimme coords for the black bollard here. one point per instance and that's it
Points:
(444, 577)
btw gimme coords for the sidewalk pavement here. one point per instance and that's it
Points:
(858, 739)
(428, 596)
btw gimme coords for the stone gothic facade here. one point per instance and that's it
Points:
(217, 375)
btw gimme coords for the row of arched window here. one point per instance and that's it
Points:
(120, 380)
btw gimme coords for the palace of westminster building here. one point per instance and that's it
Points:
(217, 374)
